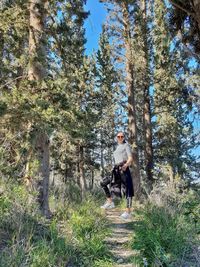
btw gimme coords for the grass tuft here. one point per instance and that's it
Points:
(74, 236)
(166, 232)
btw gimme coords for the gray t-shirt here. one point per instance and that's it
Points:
(122, 152)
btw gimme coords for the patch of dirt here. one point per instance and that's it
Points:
(118, 241)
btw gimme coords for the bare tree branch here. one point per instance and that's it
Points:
(9, 82)
(183, 9)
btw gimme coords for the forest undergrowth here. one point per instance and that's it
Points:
(74, 236)
(165, 229)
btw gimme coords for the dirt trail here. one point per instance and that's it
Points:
(119, 239)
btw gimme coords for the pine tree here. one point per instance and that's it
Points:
(182, 13)
(42, 105)
(106, 84)
(147, 102)
(14, 40)
(142, 47)
(122, 13)
(37, 72)
(173, 127)
(132, 118)
(76, 69)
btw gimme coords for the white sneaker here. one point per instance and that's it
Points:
(108, 205)
(125, 215)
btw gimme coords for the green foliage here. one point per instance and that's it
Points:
(173, 129)
(51, 250)
(181, 12)
(165, 233)
(107, 79)
(76, 105)
(75, 234)
(62, 105)
(3, 108)
(5, 204)
(90, 229)
(191, 208)
(161, 236)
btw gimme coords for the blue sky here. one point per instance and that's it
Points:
(93, 24)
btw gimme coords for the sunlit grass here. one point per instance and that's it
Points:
(166, 231)
(75, 234)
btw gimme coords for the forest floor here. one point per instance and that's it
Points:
(120, 238)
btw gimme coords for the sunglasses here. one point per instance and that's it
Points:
(120, 136)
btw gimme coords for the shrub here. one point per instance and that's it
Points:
(26, 238)
(89, 230)
(161, 236)
(74, 235)
(165, 232)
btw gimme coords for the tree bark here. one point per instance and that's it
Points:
(196, 4)
(92, 179)
(147, 105)
(148, 136)
(42, 147)
(1, 51)
(37, 72)
(80, 169)
(82, 173)
(37, 54)
(102, 155)
(132, 126)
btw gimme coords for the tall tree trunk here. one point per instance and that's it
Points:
(37, 55)
(68, 172)
(37, 72)
(196, 4)
(92, 179)
(20, 69)
(80, 168)
(82, 173)
(148, 136)
(1, 51)
(42, 147)
(102, 156)
(132, 126)
(147, 105)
